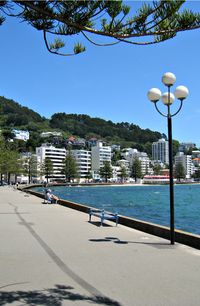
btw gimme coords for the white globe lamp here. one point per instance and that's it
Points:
(169, 79)
(181, 92)
(154, 94)
(168, 98)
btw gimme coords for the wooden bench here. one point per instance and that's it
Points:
(103, 215)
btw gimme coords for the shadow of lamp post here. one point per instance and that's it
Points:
(154, 95)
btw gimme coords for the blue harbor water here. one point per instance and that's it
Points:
(148, 203)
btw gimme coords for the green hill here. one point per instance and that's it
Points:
(13, 115)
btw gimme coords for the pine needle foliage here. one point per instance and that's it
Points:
(154, 21)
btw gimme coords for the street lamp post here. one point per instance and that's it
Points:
(154, 95)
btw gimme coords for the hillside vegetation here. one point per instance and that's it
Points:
(13, 115)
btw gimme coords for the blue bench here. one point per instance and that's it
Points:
(103, 215)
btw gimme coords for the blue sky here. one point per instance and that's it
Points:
(105, 82)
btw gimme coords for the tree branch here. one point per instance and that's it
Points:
(54, 52)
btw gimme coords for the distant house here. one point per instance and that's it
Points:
(92, 142)
(115, 147)
(79, 142)
(185, 146)
(21, 135)
(71, 139)
(48, 134)
(196, 161)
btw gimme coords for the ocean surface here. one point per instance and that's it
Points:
(148, 203)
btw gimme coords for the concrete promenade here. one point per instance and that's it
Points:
(52, 255)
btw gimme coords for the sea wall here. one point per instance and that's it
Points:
(147, 227)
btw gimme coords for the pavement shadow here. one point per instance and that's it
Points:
(51, 296)
(98, 223)
(158, 245)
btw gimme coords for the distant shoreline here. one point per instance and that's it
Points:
(23, 186)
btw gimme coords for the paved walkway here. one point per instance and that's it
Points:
(51, 255)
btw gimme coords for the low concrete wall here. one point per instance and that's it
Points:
(147, 227)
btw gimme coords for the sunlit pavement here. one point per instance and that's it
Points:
(52, 255)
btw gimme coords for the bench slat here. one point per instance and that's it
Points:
(103, 215)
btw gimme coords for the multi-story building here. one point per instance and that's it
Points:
(83, 161)
(56, 155)
(160, 151)
(130, 154)
(186, 161)
(100, 154)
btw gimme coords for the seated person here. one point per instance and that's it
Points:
(51, 197)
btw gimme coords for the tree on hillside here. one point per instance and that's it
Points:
(7, 135)
(175, 146)
(136, 170)
(69, 168)
(154, 21)
(106, 171)
(116, 157)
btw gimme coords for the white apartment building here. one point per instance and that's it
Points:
(130, 154)
(83, 161)
(160, 151)
(100, 154)
(56, 155)
(186, 161)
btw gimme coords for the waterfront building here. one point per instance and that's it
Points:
(83, 161)
(56, 155)
(160, 151)
(186, 161)
(100, 154)
(130, 154)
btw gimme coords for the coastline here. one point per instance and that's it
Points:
(150, 204)
(181, 236)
